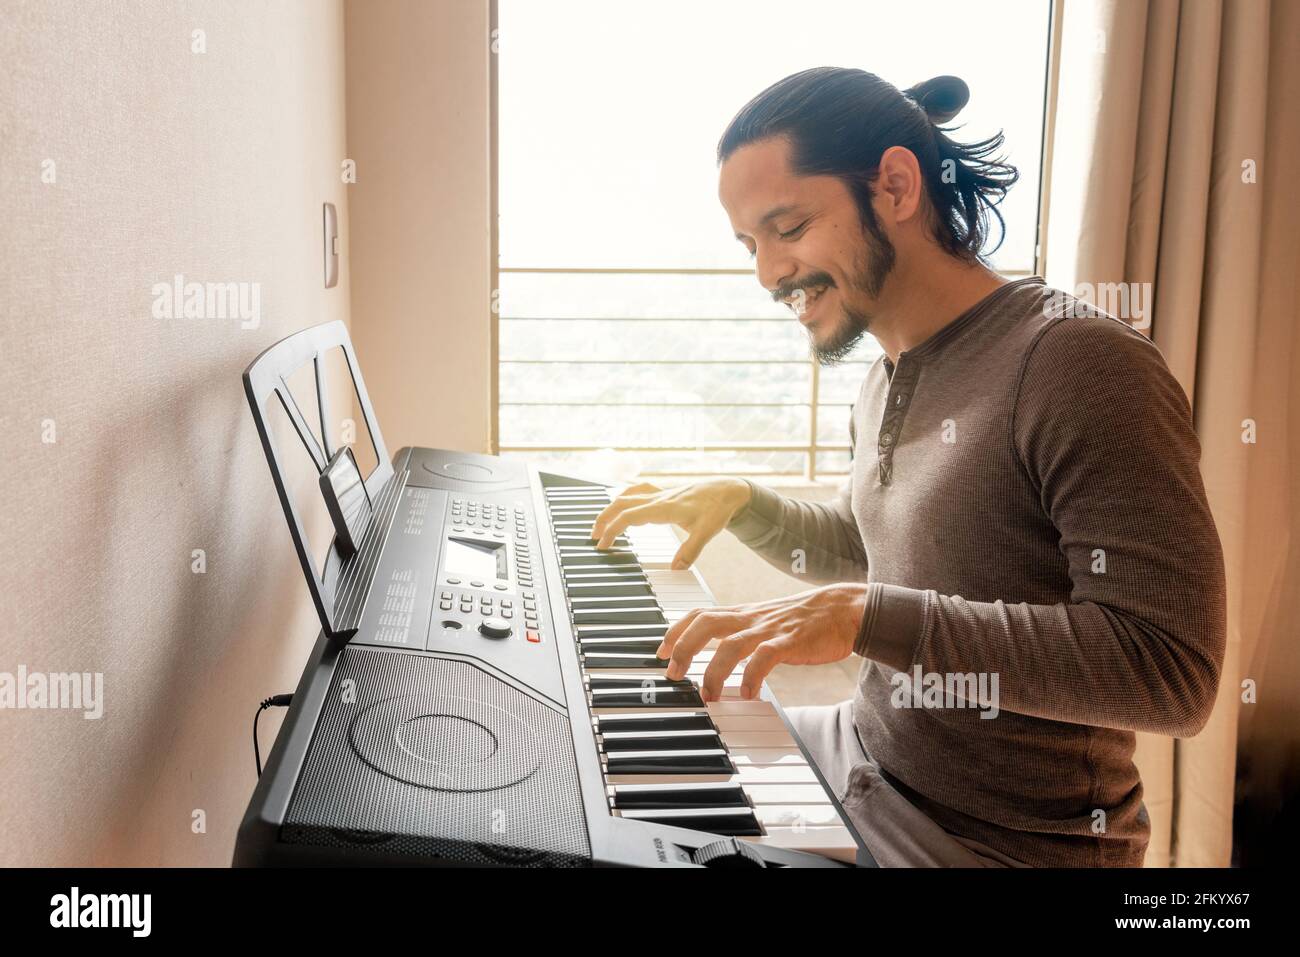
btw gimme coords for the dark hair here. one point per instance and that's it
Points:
(840, 121)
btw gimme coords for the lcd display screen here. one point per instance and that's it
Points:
(472, 559)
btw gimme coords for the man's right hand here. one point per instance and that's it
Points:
(703, 509)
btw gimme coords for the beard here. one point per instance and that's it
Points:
(872, 265)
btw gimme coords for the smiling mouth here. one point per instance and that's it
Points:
(802, 305)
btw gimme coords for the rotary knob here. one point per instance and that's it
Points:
(731, 852)
(494, 628)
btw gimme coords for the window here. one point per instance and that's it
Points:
(629, 317)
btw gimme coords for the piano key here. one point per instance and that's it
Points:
(617, 643)
(628, 602)
(581, 590)
(618, 575)
(742, 755)
(748, 775)
(639, 698)
(745, 722)
(637, 681)
(707, 794)
(689, 740)
(621, 631)
(733, 822)
(619, 616)
(598, 559)
(834, 842)
(687, 720)
(797, 815)
(809, 792)
(599, 662)
(714, 761)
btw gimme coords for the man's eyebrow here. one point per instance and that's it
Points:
(770, 215)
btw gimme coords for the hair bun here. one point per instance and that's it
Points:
(942, 97)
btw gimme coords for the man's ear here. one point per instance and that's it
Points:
(899, 185)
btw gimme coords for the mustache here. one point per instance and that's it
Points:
(811, 281)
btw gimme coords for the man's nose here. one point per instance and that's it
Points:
(773, 268)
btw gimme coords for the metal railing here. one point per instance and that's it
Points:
(810, 449)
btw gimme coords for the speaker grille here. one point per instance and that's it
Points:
(433, 758)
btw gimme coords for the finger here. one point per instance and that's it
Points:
(640, 487)
(614, 508)
(706, 626)
(764, 658)
(640, 515)
(726, 656)
(694, 544)
(675, 631)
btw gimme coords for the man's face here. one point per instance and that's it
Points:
(809, 243)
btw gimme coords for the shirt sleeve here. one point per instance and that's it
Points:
(815, 542)
(1105, 433)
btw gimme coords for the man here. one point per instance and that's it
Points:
(1024, 557)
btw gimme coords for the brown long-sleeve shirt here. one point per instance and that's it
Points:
(1032, 523)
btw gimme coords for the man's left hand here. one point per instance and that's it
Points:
(812, 628)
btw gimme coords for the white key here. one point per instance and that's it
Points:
(833, 842)
(795, 816)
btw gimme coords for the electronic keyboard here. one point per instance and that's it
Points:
(485, 691)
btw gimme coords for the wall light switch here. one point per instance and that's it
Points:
(331, 246)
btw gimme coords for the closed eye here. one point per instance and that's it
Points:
(796, 231)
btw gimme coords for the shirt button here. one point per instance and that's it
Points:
(886, 439)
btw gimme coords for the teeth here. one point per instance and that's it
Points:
(810, 296)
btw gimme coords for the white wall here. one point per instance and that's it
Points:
(213, 165)
(418, 128)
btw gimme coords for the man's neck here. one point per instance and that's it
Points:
(920, 300)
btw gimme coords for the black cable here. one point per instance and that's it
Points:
(275, 701)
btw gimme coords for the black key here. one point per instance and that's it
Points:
(654, 697)
(607, 590)
(615, 741)
(572, 541)
(732, 822)
(628, 796)
(619, 616)
(599, 559)
(669, 762)
(622, 631)
(625, 603)
(619, 646)
(622, 681)
(599, 662)
(664, 722)
(582, 577)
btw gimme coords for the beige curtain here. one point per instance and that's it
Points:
(1175, 161)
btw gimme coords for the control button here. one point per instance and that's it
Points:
(494, 628)
(533, 636)
(529, 594)
(445, 605)
(452, 624)
(530, 605)
(507, 613)
(446, 595)
(476, 584)
(499, 587)
(506, 602)
(453, 581)
(458, 528)
(476, 531)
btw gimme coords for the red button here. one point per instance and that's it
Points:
(533, 636)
